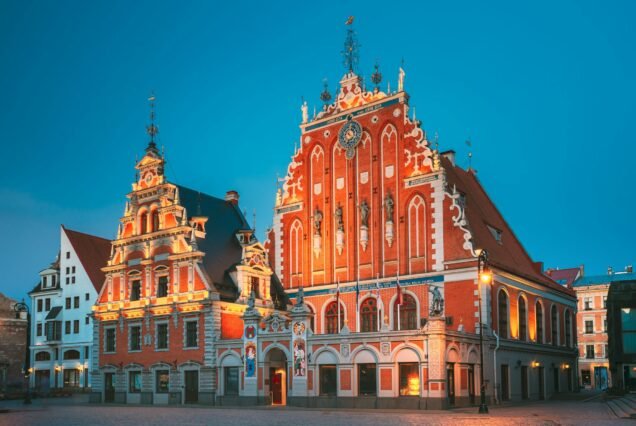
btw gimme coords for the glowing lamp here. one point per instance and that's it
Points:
(485, 276)
(536, 364)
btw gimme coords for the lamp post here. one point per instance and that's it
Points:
(21, 310)
(484, 276)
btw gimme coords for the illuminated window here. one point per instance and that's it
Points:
(369, 315)
(523, 327)
(539, 319)
(409, 379)
(71, 378)
(328, 380)
(503, 314)
(134, 381)
(331, 318)
(405, 314)
(162, 381)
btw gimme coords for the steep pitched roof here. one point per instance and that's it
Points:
(93, 252)
(564, 277)
(483, 219)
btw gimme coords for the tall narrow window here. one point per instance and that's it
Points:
(503, 314)
(417, 234)
(231, 376)
(162, 380)
(143, 223)
(47, 304)
(39, 305)
(539, 321)
(135, 338)
(155, 221)
(162, 287)
(523, 326)
(568, 329)
(134, 381)
(405, 314)
(409, 379)
(162, 336)
(135, 290)
(75, 326)
(311, 320)
(109, 344)
(255, 287)
(554, 325)
(295, 253)
(369, 315)
(191, 338)
(331, 318)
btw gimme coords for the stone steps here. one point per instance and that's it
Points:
(623, 407)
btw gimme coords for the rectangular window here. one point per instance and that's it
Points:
(605, 325)
(76, 302)
(367, 380)
(39, 305)
(191, 340)
(68, 280)
(73, 279)
(162, 287)
(76, 326)
(67, 327)
(73, 270)
(134, 381)
(71, 378)
(68, 270)
(135, 338)
(589, 351)
(47, 304)
(87, 296)
(87, 320)
(162, 381)
(587, 303)
(44, 282)
(53, 280)
(589, 327)
(68, 254)
(162, 336)
(135, 291)
(109, 343)
(328, 380)
(38, 328)
(628, 324)
(86, 352)
(68, 303)
(606, 355)
(409, 379)
(231, 381)
(586, 378)
(255, 287)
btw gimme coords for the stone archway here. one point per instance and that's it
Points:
(276, 376)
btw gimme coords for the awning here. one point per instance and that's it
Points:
(53, 313)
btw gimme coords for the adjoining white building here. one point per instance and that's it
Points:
(61, 327)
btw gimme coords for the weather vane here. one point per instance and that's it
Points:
(152, 129)
(351, 46)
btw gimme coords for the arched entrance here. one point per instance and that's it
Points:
(276, 368)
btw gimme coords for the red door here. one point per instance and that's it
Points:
(277, 388)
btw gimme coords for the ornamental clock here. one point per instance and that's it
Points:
(349, 136)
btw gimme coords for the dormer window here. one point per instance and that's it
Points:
(44, 282)
(496, 233)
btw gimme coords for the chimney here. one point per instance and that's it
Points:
(450, 155)
(610, 271)
(629, 269)
(232, 197)
(582, 269)
(538, 266)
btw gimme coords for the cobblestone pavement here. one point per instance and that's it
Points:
(50, 413)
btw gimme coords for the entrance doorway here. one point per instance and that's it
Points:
(42, 381)
(600, 378)
(109, 387)
(471, 384)
(276, 366)
(524, 382)
(541, 383)
(555, 373)
(505, 383)
(450, 382)
(191, 386)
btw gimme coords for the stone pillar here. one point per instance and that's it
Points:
(436, 330)
(300, 329)
(251, 321)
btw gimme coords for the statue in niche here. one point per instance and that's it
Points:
(364, 213)
(339, 219)
(388, 205)
(437, 304)
(317, 221)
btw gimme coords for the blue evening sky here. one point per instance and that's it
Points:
(546, 91)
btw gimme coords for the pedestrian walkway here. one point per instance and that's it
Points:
(623, 407)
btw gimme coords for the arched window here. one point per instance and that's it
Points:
(554, 325)
(568, 329)
(143, 223)
(417, 234)
(72, 354)
(295, 253)
(503, 314)
(331, 318)
(539, 320)
(369, 315)
(406, 314)
(42, 356)
(523, 324)
(155, 221)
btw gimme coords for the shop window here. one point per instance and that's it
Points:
(405, 314)
(162, 287)
(586, 378)
(162, 381)
(409, 379)
(134, 381)
(367, 379)
(231, 381)
(328, 377)
(369, 315)
(331, 318)
(135, 338)
(71, 378)
(162, 336)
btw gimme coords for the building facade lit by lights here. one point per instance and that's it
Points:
(61, 305)
(364, 294)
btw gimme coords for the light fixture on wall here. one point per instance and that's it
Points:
(536, 364)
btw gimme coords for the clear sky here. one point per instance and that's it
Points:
(546, 91)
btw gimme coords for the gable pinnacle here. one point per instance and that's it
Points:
(152, 129)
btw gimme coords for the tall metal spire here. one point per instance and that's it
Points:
(350, 53)
(152, 129)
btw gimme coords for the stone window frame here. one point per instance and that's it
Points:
(141, 343)
(159, 272)
(106, 329)
(585, 320)
(167, 323)
(185, 333)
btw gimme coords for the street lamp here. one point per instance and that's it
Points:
(21, 311)
(485, 277)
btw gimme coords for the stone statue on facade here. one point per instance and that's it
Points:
(364, 213)
(305, 112)
(437, 303)
(388, 205)
(317, 221)
(339, 219)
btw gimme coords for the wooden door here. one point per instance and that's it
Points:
(471, 384)
(191, 386)
(524, 382)
(450, 383)
(277, 387)
(109, 387)
(505, 383)
(541, 384)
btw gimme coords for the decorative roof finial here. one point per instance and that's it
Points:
(376, 77)
(325, 96)
(351, 46)
(152, 129)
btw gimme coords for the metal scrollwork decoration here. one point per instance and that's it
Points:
(349, 136)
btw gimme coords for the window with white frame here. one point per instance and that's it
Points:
(134, 338)
(161, 338)
(109, 339)
(191, 333)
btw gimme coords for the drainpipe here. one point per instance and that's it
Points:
(495, 366)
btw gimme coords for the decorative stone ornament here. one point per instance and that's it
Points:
(340, 230)
(349, 136)
(388, 226)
